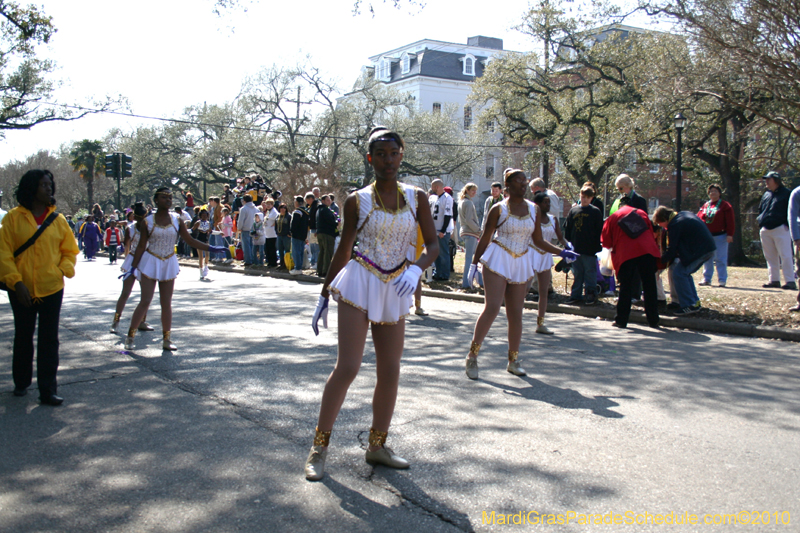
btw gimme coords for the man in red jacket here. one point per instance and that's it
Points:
(631, 255)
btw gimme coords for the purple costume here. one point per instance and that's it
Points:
(91, 239)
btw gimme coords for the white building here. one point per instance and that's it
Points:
(438, 74)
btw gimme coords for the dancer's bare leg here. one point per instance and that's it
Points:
(353, 325)
(495, 290)
(148, 287)
(165, 290)
(388, 340)
(515, 300)
(544, 281)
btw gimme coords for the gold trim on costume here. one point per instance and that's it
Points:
(340, 298)
(487, 267)
(386, 278)
(512, 355)
(538, 249)
(321, 438)
(159, 257)
(512, 254)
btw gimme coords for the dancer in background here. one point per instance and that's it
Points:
(155, 262)
(374, 290)
(91, 238)
(508, 265)
(132, 235)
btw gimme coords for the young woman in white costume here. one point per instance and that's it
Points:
(155, 262)
(507, 262)
(132, 234)
(374, 290)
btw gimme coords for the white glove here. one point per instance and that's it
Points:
(473, 270)
(407, 283)
(570, 247)
(320, 312)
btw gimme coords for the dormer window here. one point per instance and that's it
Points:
(468, 62)
(384, 70)
(405, 63)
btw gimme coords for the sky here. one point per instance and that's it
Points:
(165, 55)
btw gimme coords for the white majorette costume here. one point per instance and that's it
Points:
(384, 242)
(543, 261)
(134, 234)
(509, 254)
(159, 261)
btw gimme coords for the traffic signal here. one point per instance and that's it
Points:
(112, 166)
(127, 166)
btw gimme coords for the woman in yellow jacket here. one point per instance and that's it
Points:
(35, 280)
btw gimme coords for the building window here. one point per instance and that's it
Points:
(467, 117)
(437, 107)
(559, 166)
(469, 65)
(384, 69)
(490, 126)
(490, 168)
(405, 62)
(655, 168)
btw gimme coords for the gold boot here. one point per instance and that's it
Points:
(541, 328)
(472, 360)
(315, 464)
(513, 364)
(115, 323)
(383, 455)
(129, 339)
(168, 345)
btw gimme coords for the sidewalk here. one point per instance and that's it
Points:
(637, 317)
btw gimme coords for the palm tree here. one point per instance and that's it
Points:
(88, 160)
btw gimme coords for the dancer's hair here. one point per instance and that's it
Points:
(382, 133)
(509, 173)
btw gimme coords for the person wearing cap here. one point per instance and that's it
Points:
(776, 240)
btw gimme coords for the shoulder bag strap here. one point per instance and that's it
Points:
(49, 220)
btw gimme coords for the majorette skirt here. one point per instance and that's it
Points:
(357, 286)
(541, 261)
(152, 267)
(126, 264)
(513, 269)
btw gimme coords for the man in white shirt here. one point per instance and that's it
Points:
(442, 209)
(247, 215)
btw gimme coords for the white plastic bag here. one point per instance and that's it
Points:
(307, 257)
(606, 267)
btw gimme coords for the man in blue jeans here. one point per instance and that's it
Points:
(247, 216)
(442, 209)
(299, 233)
(690, 245)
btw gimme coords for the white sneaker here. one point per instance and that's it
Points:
(205, 271)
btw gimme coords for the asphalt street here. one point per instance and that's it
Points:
(213, 437)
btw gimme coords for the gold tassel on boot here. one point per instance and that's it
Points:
(541, 328)
(315, 464)
(383, 455)
(129, 339)
(168, 345)
(513, 364)
(472, 360)
(115, 323)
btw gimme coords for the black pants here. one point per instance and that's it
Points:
(645, 267)
(271, 251)
(112, 253)
(49, 310)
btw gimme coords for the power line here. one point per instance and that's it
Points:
(261, 130)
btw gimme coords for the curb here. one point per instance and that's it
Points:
(637, 317)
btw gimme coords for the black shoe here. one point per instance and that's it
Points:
(51, 400)
(20, 391)
(673, 306)
(791, 286)
(574, 301)
(590, 300)
(687, 310)
(772, 285)
(618, 325)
